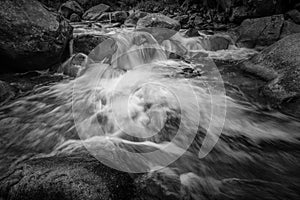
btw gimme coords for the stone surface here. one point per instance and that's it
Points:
(279, 64)
(219, 42)
(6, 92)
(31, 37)
(95, 12)
(260, 31)
(65, 177)
(75, 18)
(158, 20)
(294, 15)
(70, 7)
(86, 43)
(133, 18)
(75, 66)
(289, 28)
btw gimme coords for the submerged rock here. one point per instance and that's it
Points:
(280, 65)
(158, 20)
(95, 12)
(66, 177)
(260, 31)
(70, 7)
(31, 37)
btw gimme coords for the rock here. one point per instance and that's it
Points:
(75, 66)
(289, 28)
(117, 16)
(75, 18)
(183, 19)
(95, 12)
(219, 42)
(6, 92)
(70, 7)
(260, 31)
(79, 177)
(31, 37)
(158, 20)
(280, 65)
(86, 43)
(294, 15)
(239, 14)
(134, 17)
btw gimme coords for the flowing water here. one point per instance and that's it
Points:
(137, 110)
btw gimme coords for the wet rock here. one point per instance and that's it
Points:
(279, 64)
(219, 42)
(134, 17)
(31, 37)
(158, 20)
(75, 18)
(70, 7)
(95, 12)
(117, 16)
(260, 31)
(86, 43)
(75, 66)
(65, 177)
(294, 15)
(289, 28)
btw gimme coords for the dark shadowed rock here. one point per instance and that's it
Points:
(158, 20)
(70, 7)
(31, 37)
(79, 177)
(294, 15)
(95, 12)
(134, 17)
(289, 28)
(260, 31)
(6, 92)
(239, 14)
(86, 43)
(280, 65)
(75, 18)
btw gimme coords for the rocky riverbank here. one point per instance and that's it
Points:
(254, 44)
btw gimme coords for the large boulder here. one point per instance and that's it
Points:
(158, 20)
(95, 12)
(79, 177)
(70, 7)
(279, 64)
(260, 31)
(31, 37)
